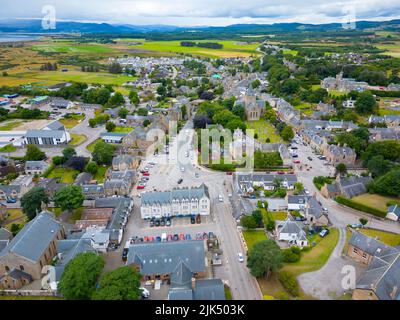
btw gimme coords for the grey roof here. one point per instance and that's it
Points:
(36, 165)
(150, 198)
(123, 158)
(164, 257)
(383, 275)
(83, 178)
(55, 125)
(209, 289)
(297, 199)
(293, 227)
(394, 209)
(60, 102)
(365, 243)
(181, 276)
(5, 234)
(18, 274)
(276, 204)
(56, 134)
(69, 248)
(34, 238)
(180, 294)
(3, 244)
(92, 188)
(8, 189)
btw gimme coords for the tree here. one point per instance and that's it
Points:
(341, 169)
(365, 103)
(58, 160)
(287, 133)
(256, 83)
(110, 126)
(298, 187)
(265, 256)
(117, 99)
(33, 153)
(248, 222)
(103, 153)
(115, 68)
(68, 153)
(31, 202)
(134, 97)
(69, 197)
(200, 121)
(363, 221)
(92, 167)
(122, 113)
(378, 166)
(120, 284)
(387, 184)
(142, 112)
(146, 122)
(78, 281)
(258, 218)
(15, 228)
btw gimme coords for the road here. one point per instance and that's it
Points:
(165, 176)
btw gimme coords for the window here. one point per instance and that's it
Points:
(21, 267)
(364, 255)
(7, 268)
(355, 250)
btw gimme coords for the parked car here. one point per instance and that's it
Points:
(210, 235)
(199, 236)
(169, 238)
(180, 181)
(323, 233)
(125, 254)
(296, 161)
(356, 225)
(168, 222)
(146, 239)
(229, 173)
(151, 223)
(188, 237)
(151, 239)
(182, 169)
(146, 174)
(205, 236)
(197, 175)
(309, 158)
(140, 186)
(220, 198)
(192, 220)
(158, 239)
(162, 222)
(181, 236)
(176, 237)
(240, 257)
(198, 219)
(145, 293)
(157, 223)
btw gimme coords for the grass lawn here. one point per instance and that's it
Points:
(288, 51)
(253, 236)
(77, 139)
(375, 200)
(392, 49)
(123, 129)
(264, 130)
(384, 112)
(99, 176)
(316, 258)
(8, 148)
(10, 125)
(280, 216)
(72, 121)
(391, 239)
(230, 48)
(91, 146)
(14, 214)
(228, 293)
(72, 47)
(336, 93)
(66, 175)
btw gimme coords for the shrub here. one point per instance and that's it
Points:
(282, 296)
(248, 222)
(58, 160)
(289, 282)
(291, 255)
(359, 206)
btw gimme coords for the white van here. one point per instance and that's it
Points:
(163, 237)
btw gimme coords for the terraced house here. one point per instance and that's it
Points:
(176, 203)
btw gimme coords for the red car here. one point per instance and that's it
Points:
(140, 187)
(169, 238)
(281, 172)
(151, 238)
(145, 239)
(229, 173)
(181, 236)
(296, 161)
(146, 174)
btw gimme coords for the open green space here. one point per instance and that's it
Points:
(264, 130)
(100, 174)
(10, 125)
(253, 236)
(72, 120)
(8, 148)
(123, 129)
(65, 175)
(391, 239)
(72, 47)
(77, 139)
(90, 147)
(230, 48)
(375, 200)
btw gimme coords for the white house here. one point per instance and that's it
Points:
(292, 232)
(99, 239)
(393, 213)
(36, 167)
(176, 203)
(297, 203)
(349, 104)
(112, 137)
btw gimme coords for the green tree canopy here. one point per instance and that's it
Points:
(365, 103)
(31, 202)
(110, 126)
(78, 281)
(68, 152)
(103, 153)
(69, 197)
(33, 153)
(122, 113)
(120, 284)
(265, 256)
(287, 133)
(92, 167)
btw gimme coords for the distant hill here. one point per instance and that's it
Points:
(34, 26)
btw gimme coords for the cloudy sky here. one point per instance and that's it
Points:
(205, 12)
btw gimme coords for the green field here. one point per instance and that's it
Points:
(72, 47)
(253, 236)
(66, 175)
(230, 48)
(10, 125)
(8, 148)
(77, 139)
(123, 129)
(391, 49)
(288, 51)
(264, 130)
(72, 121)
(374, 200)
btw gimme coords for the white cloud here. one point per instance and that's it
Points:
(205, 12)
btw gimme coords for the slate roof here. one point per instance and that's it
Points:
(35, 165)
(3, 244)
(123, 158)
(18, 274)
(164, 257)
(209, 289)
(56, 134)
(394, 209)
(88, 189)
(293, 227)
(353, 186)
(34, 238)
(165, 197)
(55, 125)
(83, 178)
(180, 294)
(5, 234)
(8, 189)
(383, 275)
(365, 243)
(181, 276)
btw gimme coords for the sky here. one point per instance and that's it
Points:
(205, 12)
